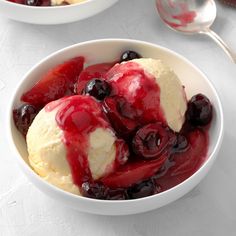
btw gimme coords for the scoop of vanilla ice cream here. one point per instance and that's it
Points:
(172, 95)
(102, 152)
(47, 153)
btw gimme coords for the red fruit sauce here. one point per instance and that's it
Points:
(140, 90)
(78, 116)
(97, 71)
(134, 172)
(56, 83)
(180, 166)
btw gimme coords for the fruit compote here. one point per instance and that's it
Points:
(159, 158)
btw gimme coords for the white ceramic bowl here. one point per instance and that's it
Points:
(53, 15)
(109, 50)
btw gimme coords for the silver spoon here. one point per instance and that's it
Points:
(191, 17)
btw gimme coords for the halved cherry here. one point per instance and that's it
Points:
(183, 164)
(197, 150)
(23, 117)
(94, 71)
(153, 140)
(133, 173)
(55, 84)
(142, 189)
(123, 125)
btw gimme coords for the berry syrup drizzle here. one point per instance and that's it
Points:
(78, 116)
(136, 93)
(183, 163)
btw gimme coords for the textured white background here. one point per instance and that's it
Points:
(210, 209)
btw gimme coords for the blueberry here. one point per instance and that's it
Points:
(117, 194)
(98, 88)
(94, 190)
(181, 143)
(143, 189)
(152, 140)
(129, 55)
(23, 117)
(199, 112)
(98, 190)
(122, 116)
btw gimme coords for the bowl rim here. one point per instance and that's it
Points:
(30, 172)
(41, 8)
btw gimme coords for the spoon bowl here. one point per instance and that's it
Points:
(187, 16)
(191, 17)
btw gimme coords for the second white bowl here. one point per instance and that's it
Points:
(54, 14)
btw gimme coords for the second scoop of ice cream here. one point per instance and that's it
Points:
(152, 90)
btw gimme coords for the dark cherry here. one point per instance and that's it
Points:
(143, 189)
(126, 109)
(98, 88)
(97, 190)
(117, 194)
(116, 111)
(181, 144)
(23, 117)
(152, 140)
(129, 55)
(199, 112)
(38, 2)
(94, 190)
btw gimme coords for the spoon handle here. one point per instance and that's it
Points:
(221, 43)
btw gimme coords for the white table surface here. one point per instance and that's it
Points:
(210, 209)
